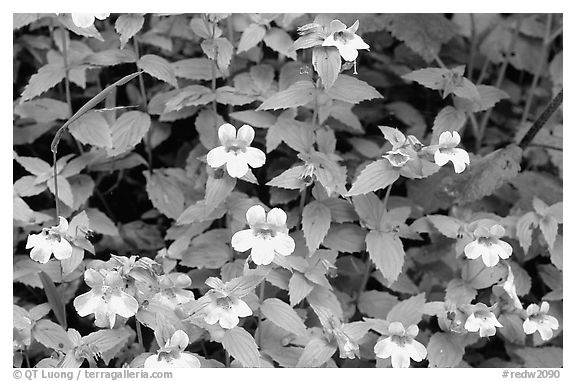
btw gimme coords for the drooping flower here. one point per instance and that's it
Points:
(85, 20)
(401, 345)
(235, 151)
(482, 320)
(345, 40)
(538, 320)
(172, 290)
(447, 151)
(50, 240)
(267, 235)
(106, 299)
(172, 355)
(222, 304)
(488, 245)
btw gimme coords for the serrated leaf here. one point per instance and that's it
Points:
(241, 345)
(158, 67)
(352, 90)
(65, 193)
(369, 209)
(206, 255)
(376, 304)
(43, 110)
(164, 192)
(512, 328)
(217, 190)
(195, 69)
(347, 238)
(432, 77)
(127, 131)
(34, 165)
(445, 350)
(448, 226)
(488, 97)
(298, 94)
(316, 353)
(47, 77)
(277, 39)
(289, 179)
(101, 223)
(283, 316)
(127, 25)
(477, 275)
(92, 128)
(327, 62)
(251, 36)
(376, 175)
(387, 253)
(459, 292)
(448, 119)
(408, 311)
(298, 288)
(423, 33)
(108, 341)
(262, 119)
(340, 210)
(51, 335)
(220, 50)
(231, 96)
(316, 219)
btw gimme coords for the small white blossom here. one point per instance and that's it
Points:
(222, 305)
(267, 235)
(235, 151)
(50, 240)
(401, 345)
(345, 40)
(447, 151)
(482, 320)
(488, 245)
(172, 355)
(86, 20)
(538, 320)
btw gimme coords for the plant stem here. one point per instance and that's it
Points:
(66, 69)
(303, 194)
(55, 174)
(139, 333)
(387, 196)
(213, 83)
(227, 358)
(144, 107)
(542, 119)
(536, 78)
(472, 52)
(262, 290)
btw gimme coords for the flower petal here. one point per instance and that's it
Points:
(449, 139)
(412, 331)
(243, 240)
(228, 320)
(240, 308)
(41, 254)
(490, 256)
(89, 303)
(246, 134)
(545, 332)
(217, 157)
(283, 244)
(472, 324)
(189, 360)
(330, 41)
(62, 249)
(417, 351)
(504, 249)
(254, 157)
(276, 217)
(396, 328)
(179, 339)
(441, 158)
(256, 215)
(237, 167)
(530, 326)
(226, 133)
(544, 307)
(358, 43)
(262, 253)
(83, 20)
(400, 358)
(336, 26)
(533, 309)
(384, 348)
(123, 304)
(474, 249)
(348, 52)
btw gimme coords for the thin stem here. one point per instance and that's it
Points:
(139, 333)
(261, 298)
(66, 69)
(472, 53)
(536, 78)
(227, 358)
(144, 106)
(365, 275)
(303, 194)
(213, 83)
(439, 61)
(542, 119)
(387, 196)
(545, 146)
(56, 199)
(483, 71)
(27, 358)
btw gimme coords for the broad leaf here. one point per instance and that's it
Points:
(316, 219)
(387, 253)
(376, 175)
(316, 353)
(445, 350)
(92, 128)
(327, 63)
(352, 90)
(241, 345)
(283, 316)
(127, 131)
(251, 37)
(408, 311)
(298, 288)
(158, 67)
(47, 77)
(127, 25)
(296, 95)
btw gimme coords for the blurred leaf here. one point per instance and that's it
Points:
(283, 316)
(445, 350)
(251, 37)
(195, 69)
(241, 345)
(298, 288)
(127, 25)
(159, 68)
(54, 299)
(408, 311)
(299, 94)
(316, 353)
(327, 62)
(51, 335)
(376, 304)
(352, 90)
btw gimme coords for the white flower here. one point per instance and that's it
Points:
(267, 235)
(345, 40)
(401, 345)
(483, 320)
(235, 151)
(222, 305)
(172, 355)
(537, 320)
(172, 290)
(85, 20)
(50, 240)
(488, 245)
(447, 151)
(106, 299)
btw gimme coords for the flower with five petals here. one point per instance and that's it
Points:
(50, 240)
(172, 355)
(538, 320)
(447, 151)
(235, 151)
(482, 320)
(488, 245)
(400, 345)
(345, 40)
(267, 236)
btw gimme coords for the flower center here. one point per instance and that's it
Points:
(265, 232)
(487, 241)
(342, 36)
(236, 147)
(225, 303)
(401, 340)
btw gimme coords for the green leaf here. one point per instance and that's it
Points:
(46, 78)
(278, 40)
(195, 69)
(128, 131)
(477, 275)
(109, 341)
(261, 119)
(289, 179)
(65, 193)
(220, 50)
(92, 128)
(352, 90)
(241, 345)
(51, 335)
(262, 76)
(283, 316)
(369, 209)
(127, 25)
(251, 36)
(432, 77)
(376, 304)
(211, 255)
(231, 96)
(101, 223)
(340, 210)
(376, 175)
(298, 94)
(34, 165)
(448, 226)
(347, 238)
(54, 298)
(488, 97)
(207, 124)
(298, 288)
(387, 253)
(217, 190)
(165, 193)
(159, 68)
(316, 353)
(43, 110)
(549, 357)
(327, 63)
(512, 328)
(200, 211)
(316, 219)
(459, 292)
(423, 33)
(408, 311)
(321, 297)
(448, 119)
(445, 350)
